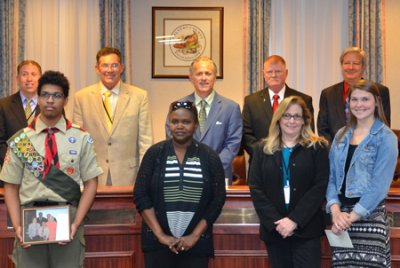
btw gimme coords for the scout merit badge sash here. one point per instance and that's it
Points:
(56, 180)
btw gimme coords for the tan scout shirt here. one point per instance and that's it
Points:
(76, 156)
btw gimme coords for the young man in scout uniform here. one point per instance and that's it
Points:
(44, 166)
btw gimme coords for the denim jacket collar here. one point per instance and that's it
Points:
(376, 127)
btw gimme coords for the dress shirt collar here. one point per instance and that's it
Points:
(115, 90)
(61, 125)
(209, 99)
(281, 94)
(34, 100)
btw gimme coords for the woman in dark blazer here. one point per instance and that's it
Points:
(288, 179)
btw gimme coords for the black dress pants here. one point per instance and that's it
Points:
(294, 252)
(164, 258)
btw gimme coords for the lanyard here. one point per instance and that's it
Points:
(286, 152)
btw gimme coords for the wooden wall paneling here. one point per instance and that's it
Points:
(114, 241)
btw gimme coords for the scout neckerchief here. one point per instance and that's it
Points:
(54, 178)
(51, 151)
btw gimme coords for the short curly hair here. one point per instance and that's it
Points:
(54, 78)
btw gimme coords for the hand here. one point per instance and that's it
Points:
(354, 216)
(335, 230)
(341, 220)
(18, 234)
(169, 241)
(187, 242)
(285, 227)
(74, 229)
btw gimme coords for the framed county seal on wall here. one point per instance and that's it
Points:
(181, 34)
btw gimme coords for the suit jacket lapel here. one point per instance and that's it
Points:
(265, 103)
(123, 100)
(289, 92)
(278, 161)
(338, 100)
(197, 134)
(19, 109)
(98, 105)
(212, 115)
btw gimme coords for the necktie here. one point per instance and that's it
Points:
(51, 155)
(347, 110)
(108, 108)
(28, 111)
(202, 115)
(346, 105)
(275, 103)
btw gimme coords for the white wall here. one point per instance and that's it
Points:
(163, 91)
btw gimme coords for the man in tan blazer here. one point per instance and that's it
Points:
(117, 115)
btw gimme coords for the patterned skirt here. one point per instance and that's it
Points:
(371, 241)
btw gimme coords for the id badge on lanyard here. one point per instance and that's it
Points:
(286, 174)
(286, 192)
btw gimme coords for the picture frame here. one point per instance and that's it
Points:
(45, 225)
(182, 34)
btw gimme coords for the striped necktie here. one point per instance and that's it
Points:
(346, 104)
(28, 111)
(108, 108)
(202, 115)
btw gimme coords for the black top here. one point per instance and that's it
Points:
(148, 193)
(346, 201)
(309, 173)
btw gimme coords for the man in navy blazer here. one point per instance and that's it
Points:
(223, 126)
(12, 108)
(331, 115)
(257, 109)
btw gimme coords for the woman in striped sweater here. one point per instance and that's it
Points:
(179, 192)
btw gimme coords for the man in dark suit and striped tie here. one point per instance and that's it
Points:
(17, 110)
(332, 103)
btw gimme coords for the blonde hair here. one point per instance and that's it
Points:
(358, 50)
(367, 86)
(307, 137)
(203, 59)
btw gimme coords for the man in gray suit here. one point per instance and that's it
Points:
(220, 123)
(117, 115)
(332, 115)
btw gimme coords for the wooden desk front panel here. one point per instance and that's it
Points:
(114, 241)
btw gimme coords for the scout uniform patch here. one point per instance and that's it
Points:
(23, 148)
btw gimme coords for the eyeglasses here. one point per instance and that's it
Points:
(277, 72)
(106, 66)
(56, 96)
(181, 104)
(356, 63)
(288, 116)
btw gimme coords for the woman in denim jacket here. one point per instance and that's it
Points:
(362, 162)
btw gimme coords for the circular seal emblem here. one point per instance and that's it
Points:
(192, 44)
